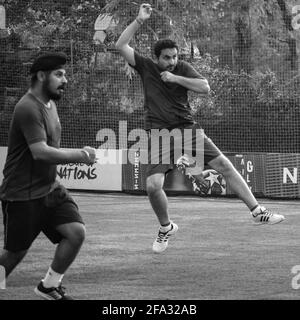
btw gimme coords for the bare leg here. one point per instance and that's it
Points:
(157, 197)
(68, 248)
(234, 180)
(9, 260)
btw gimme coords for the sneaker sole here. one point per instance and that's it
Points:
(267, 223)
(159, 251)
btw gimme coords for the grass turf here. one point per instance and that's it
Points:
(217, 253)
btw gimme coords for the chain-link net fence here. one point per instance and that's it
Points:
(248, 50)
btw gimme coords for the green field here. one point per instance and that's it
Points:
(217, 253)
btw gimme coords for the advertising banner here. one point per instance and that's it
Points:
(105, 176)
(282, 175)
(99, 176)
(267, 175)
(252, 169)
(134, 179)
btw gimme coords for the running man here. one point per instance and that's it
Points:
(166, 81)
(32, 200)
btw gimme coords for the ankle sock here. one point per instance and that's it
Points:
(256, 210)
(166, 228)
(52, 279)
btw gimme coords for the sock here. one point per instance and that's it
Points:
(165, 228)
(256, 210)
(52, 279)
(61, 277)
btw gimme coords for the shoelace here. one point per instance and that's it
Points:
(61, 290)
(162, 237)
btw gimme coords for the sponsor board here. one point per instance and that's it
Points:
(267, 175)
(99, 176)
(282, 176)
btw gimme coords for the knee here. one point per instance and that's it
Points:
(77, 235)
(153, 185)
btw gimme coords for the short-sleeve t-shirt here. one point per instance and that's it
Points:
(26, 178)
(166, 104)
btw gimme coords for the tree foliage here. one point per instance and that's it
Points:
(246, 48)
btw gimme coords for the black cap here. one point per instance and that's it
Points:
(48, 61)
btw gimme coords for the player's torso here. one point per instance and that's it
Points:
(165, 103)
(25, 178)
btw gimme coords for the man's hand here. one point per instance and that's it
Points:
(167, 76)
(90, 155)
(183, 163)
(145, 12)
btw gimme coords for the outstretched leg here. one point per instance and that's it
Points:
(236, 182)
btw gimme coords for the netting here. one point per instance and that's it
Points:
(248, 50)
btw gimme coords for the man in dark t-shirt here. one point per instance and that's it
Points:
(166, 104)
(166, 81)
(32, 200)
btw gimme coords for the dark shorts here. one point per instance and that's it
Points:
(24, 220)
(210, 152)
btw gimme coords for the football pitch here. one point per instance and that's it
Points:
(218, 253)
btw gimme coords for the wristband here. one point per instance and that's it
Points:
(139, 21)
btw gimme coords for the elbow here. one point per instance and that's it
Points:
(204, 88)
(34, 157)
(37, 156)
(39, 151)
(122, 47)
(118, 45)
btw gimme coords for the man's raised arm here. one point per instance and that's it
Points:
(122, 45)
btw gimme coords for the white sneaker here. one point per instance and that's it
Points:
(161, 242)
(266, 217)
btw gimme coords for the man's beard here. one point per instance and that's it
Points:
(50, 94)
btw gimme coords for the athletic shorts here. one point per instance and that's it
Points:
(24, 220)
(211, 151)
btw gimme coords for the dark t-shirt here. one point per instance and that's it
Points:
(166, 104)
(25, 178)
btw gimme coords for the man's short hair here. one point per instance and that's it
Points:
(164, 44)
(48, 61)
